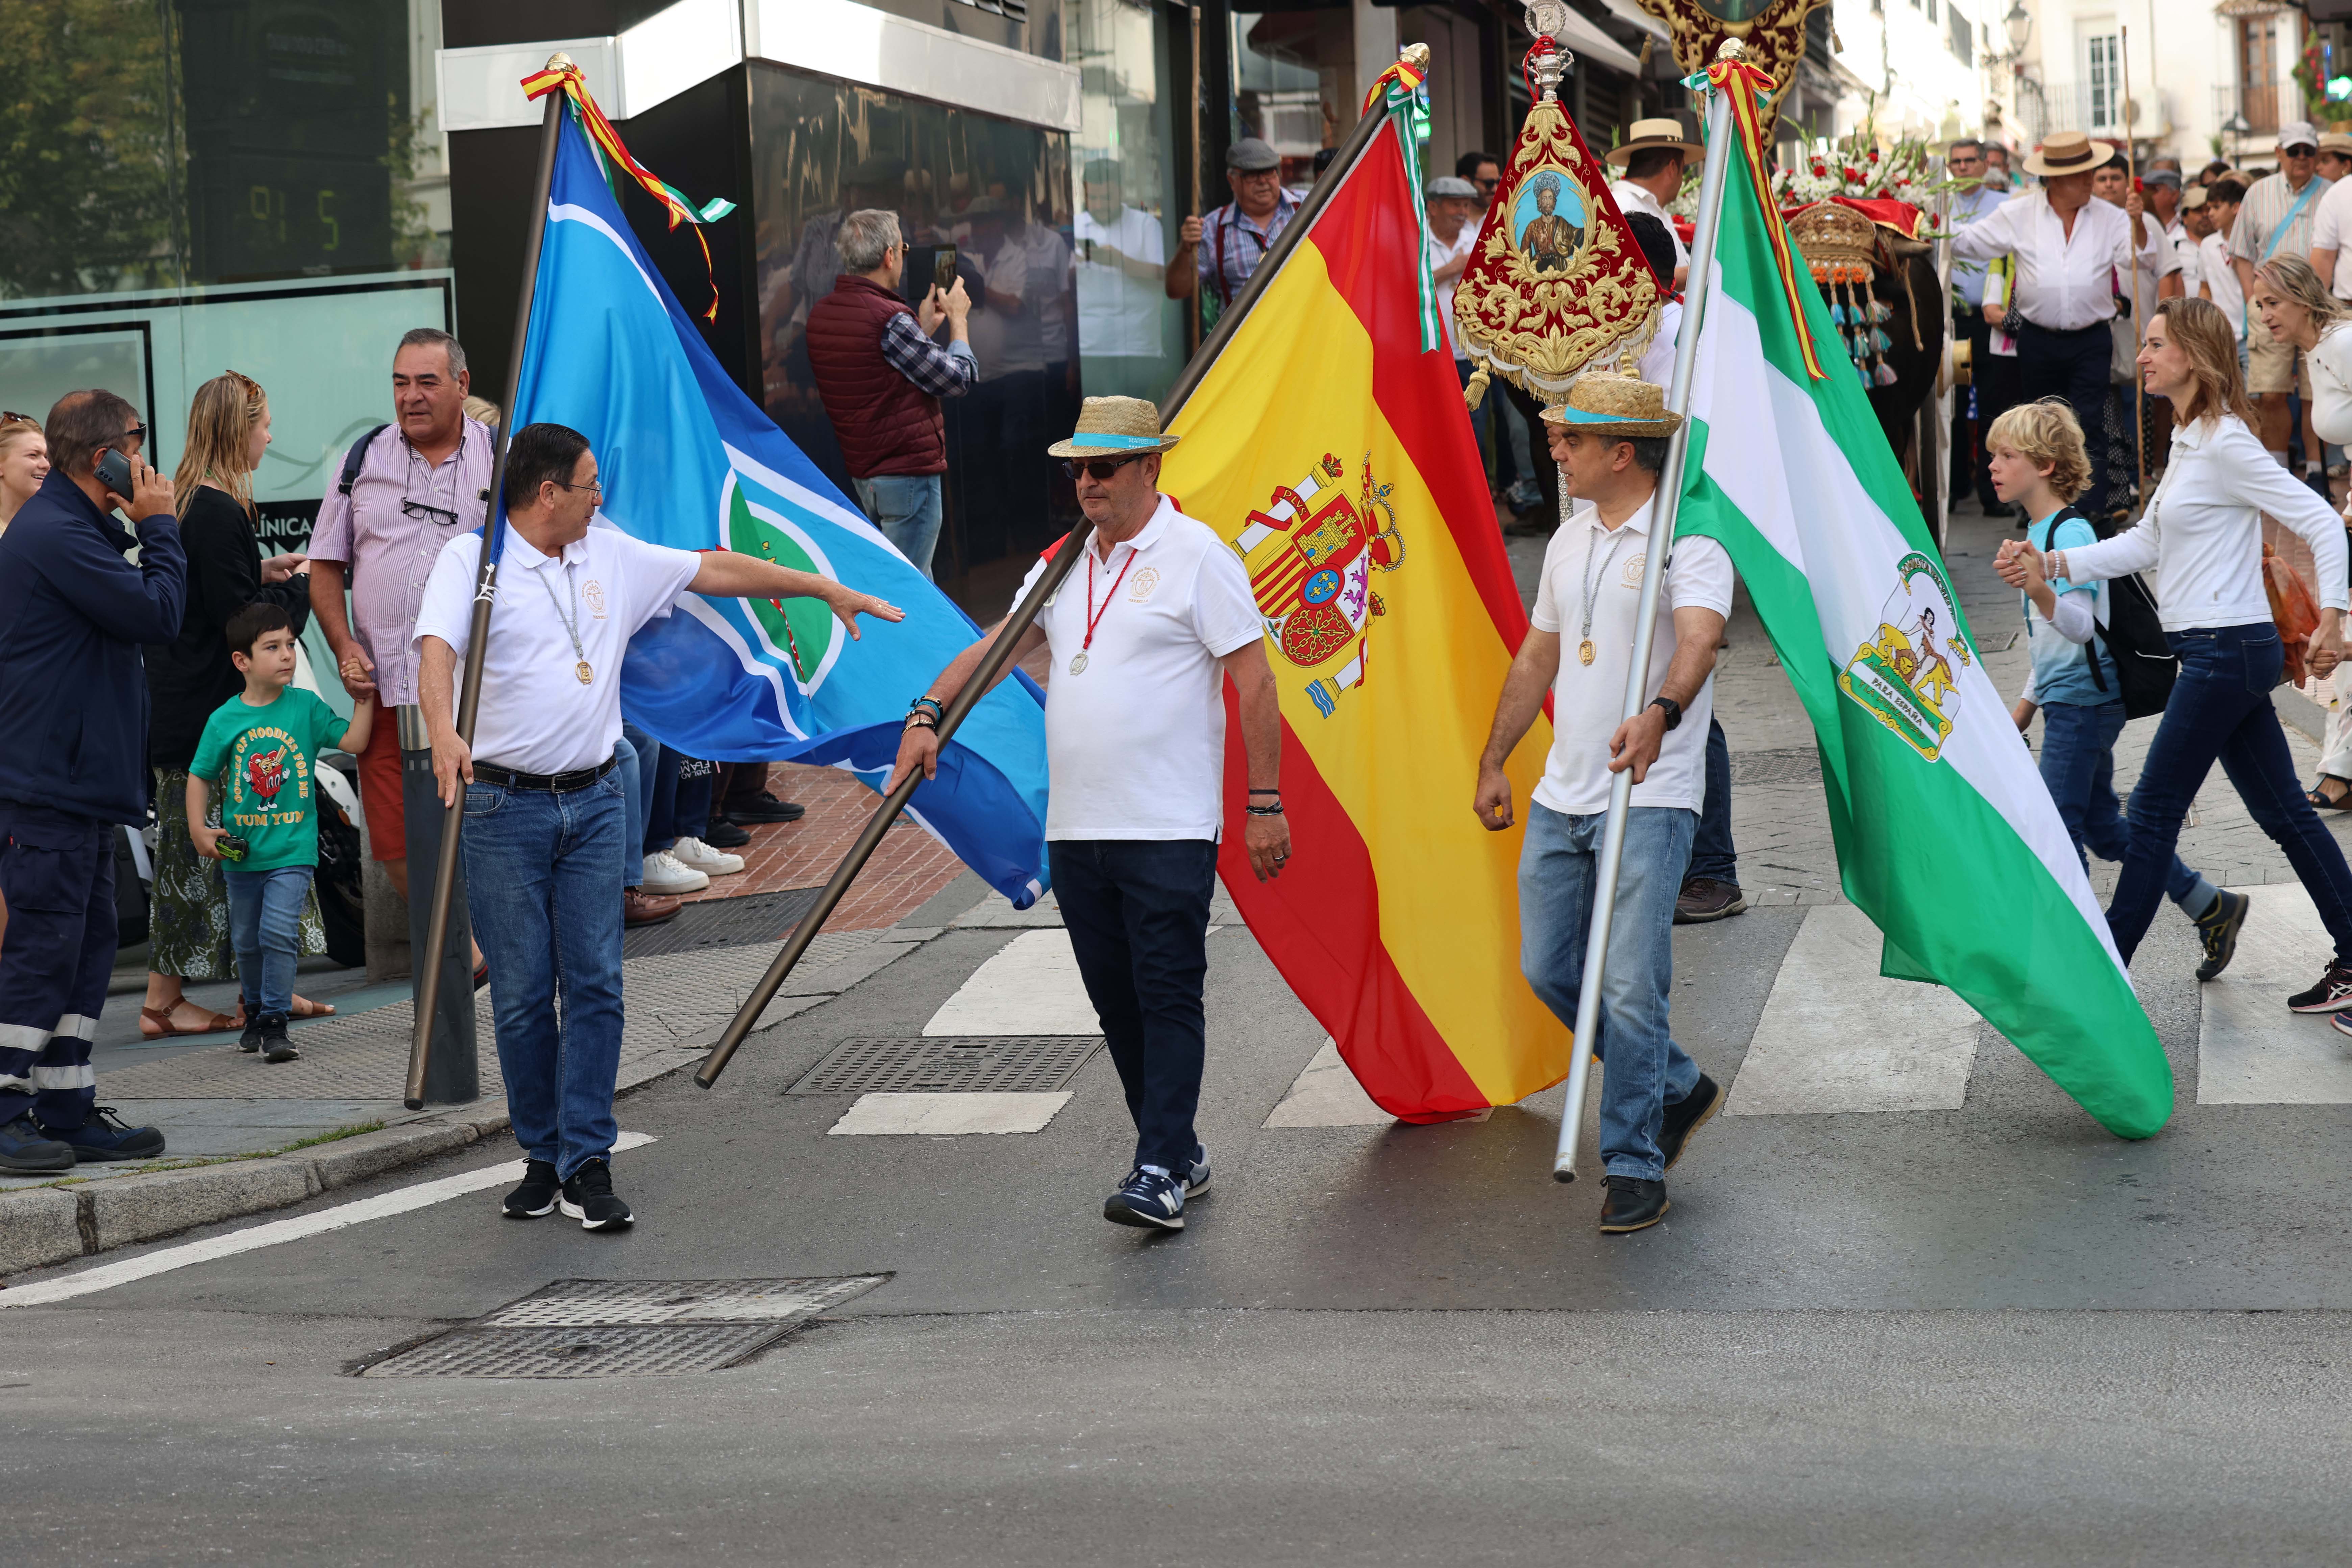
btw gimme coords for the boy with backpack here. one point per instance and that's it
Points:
(265, 744)
(2038, 465)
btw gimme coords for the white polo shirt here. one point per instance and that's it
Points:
(537, 715)
(1588, 699)
(1135, 741)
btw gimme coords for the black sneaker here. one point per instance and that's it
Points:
(106, 1136)
(275, 1046)
(1686, 1116)
(1705, 899)
(1632, 1203)
(1149, 1200)
(27, 1151)
(765, 807)
(2217, 929)
(250, 1041)
(2332, 994)
(724, 835)
(588, 1198)
(537, 1192)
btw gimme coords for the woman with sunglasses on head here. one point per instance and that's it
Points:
(2299, 309)
(24, 462)
(2203, 533)
(188, 678)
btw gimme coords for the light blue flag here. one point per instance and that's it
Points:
(688, 461)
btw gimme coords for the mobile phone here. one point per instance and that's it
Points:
(944, 268)
(114, 472)
(232, 847)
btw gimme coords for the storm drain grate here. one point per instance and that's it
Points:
(1797, 765)
(625, 1327)
(722, 922)
(950, 1064)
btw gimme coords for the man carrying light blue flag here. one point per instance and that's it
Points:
(690, 463)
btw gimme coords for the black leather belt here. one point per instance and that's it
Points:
(555, 784)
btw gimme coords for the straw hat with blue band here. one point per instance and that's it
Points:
(1617, 405)
(1114, 428)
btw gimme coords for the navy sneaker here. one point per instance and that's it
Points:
(538, 1193)
(1149, 1200)
(27, 1151)
(106, 1136)
(2217, 929)
(1196, 1175)
(275, 1046)
(588, 1198)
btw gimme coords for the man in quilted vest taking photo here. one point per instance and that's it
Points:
(882, 376)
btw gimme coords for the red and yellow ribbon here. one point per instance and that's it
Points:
(1747, 86)
(568, 80)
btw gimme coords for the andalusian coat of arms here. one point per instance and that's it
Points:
(1311, 553)
(1908, 674)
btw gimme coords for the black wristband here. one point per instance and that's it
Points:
(1274, 810)
(1275, 792)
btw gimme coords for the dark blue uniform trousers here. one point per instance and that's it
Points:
(57, 871)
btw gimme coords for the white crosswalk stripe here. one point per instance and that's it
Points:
(1030, 987)
(935, 1115)
(2250, 1049)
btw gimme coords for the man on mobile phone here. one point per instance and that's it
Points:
(73, 700)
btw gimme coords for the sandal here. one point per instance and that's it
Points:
(164, 1029)
(2322, 801)
(306, 1009)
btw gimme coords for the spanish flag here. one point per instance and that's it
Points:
(1337, 457)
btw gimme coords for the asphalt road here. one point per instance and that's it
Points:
(1992, 1334)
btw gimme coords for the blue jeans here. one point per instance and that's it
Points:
(633, 760)
(1138, 915)
(2221, 710)
(541, 870)
(265, 926)
(1712, 853)
(2078, 764)
(1558, 875)
(906, 507)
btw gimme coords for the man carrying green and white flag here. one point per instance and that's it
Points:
(1945, 835)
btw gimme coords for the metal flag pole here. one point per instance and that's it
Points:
(477, 635)
(1720, 137)
(1024, 614)
(2139, 308)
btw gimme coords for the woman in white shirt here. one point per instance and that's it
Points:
(2202, 532)
(2299, 309)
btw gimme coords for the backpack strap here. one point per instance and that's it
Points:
(357, 456)
(2066, 514)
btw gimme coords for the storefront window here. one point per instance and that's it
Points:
(1294, 84)
(1130, 334)
(208, 185)
(998, 195)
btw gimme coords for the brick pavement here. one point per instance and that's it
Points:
(909, 868)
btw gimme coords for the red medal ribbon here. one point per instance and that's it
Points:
(1094, 616)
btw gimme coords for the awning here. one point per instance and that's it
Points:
(1590, 44)
(1628, 12)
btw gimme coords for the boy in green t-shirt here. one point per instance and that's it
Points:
(265, 743)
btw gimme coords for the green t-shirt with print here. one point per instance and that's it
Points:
(260, 761)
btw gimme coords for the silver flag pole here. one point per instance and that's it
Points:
(1637, 681)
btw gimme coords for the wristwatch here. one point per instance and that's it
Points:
(1673, 710)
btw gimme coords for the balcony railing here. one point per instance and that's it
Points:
(2262, 104)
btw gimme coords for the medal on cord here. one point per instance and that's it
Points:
(1584, 651)
(1094, 616)
(571, 624)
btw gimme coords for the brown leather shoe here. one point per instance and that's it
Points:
(1704, 899)
(639, 908)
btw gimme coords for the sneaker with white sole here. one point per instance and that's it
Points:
(588, 1197)
(1149, 1200)
(696, 856)
(665, 875)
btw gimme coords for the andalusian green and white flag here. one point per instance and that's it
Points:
(1946, 836)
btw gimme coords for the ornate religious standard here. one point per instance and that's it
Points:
(1771, 34)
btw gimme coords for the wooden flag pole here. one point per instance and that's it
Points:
(478, 636)
(2139, 308)
(1192, 306)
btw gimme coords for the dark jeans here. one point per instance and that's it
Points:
(1712, 853)
(1462, 374)
(2071, 365)
(1138, 915)
(2221, 710)
(1546, 473)
(1993, 380)
(57, 872)
(2078, 764)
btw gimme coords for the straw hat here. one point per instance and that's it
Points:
(1645, 133)
(1602, 405)
(2066, 152)
(2335, 142)
(1114, 428)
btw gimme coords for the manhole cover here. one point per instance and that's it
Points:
(625, 1327)
(1797, 765)
(949, 1064)
(722, 922)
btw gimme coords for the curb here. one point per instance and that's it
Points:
(2301, 712)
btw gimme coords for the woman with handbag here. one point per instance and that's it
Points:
(2202, 532)
(2299, 309)
(187, 679)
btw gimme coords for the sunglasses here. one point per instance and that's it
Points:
(10, 416)
(1099, 470)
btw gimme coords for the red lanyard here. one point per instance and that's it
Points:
(1094, 616)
